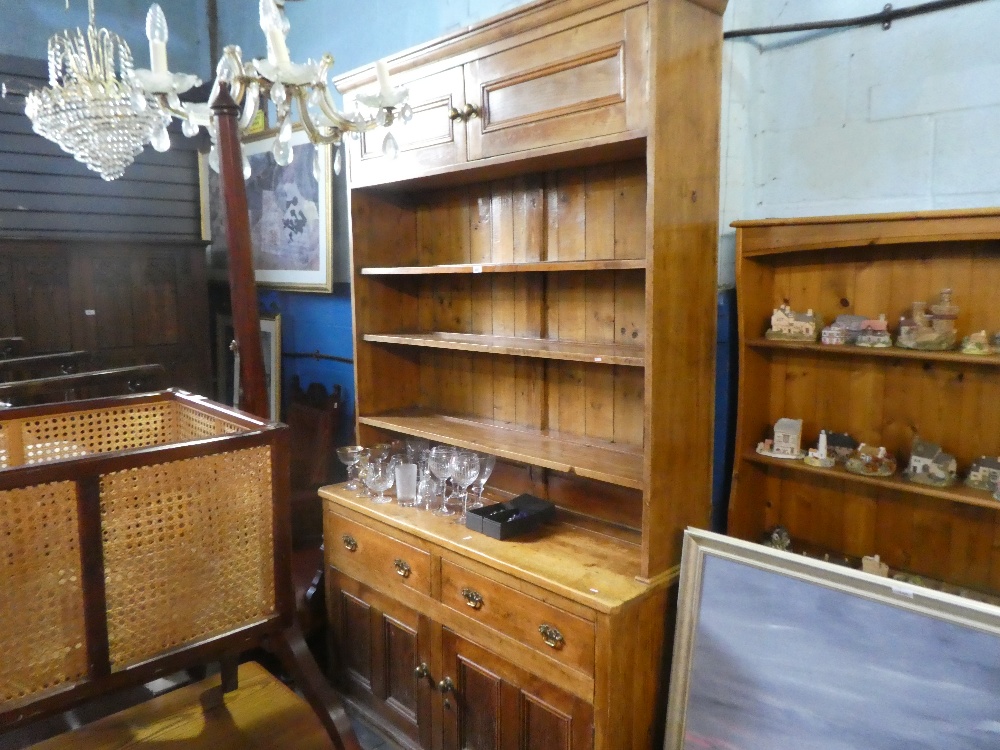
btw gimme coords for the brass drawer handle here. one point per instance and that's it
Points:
(472, 598)
(402, 569)
(350, 542)
(551, 636)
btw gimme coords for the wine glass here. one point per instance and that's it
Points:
(440, 465)
(349, 455)
(486, 464)
(363, 459)
(379, 476)
(464, 470)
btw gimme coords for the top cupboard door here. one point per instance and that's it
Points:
(585, 82)
(430, 141)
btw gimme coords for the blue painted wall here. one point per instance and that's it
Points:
(27, 27)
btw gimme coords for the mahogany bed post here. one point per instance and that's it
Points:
(289, 644)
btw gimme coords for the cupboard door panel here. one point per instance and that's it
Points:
(429, 141)
(496, 705)
(568, 86)
(42, 302)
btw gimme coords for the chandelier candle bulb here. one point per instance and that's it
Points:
(157, 34)
(270, 23)
(384, 84)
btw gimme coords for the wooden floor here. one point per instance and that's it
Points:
(263, 713)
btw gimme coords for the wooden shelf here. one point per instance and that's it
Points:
(893, 352)
(576, 351)
(606, 462)
(541, 266)
(957, 493)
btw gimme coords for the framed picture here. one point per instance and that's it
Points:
(289, 211)
(228, 363)
(775, 650)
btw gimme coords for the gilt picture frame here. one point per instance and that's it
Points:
(290, 215)
(773, 649)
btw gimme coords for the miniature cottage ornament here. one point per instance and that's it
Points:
(820, 455)
(871, 461)
(930, 331)
(786, 442)
(977, 343)
(840, 446)
(844, 330)
(874, 333)
(788, 325)
(930, 465)
(874, 565)
(984, 474)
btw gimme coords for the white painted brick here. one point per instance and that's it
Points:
(841, 207)
(941, 92)
(858, 161)
(967, 200)
(967, 152)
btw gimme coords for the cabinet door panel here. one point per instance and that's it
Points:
(499, 706)
(565, 87)
(430, 140)
(42, 302)
(8, 326)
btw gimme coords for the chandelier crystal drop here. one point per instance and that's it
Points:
(90, 107)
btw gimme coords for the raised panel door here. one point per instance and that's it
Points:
(42, 301)
(585, 82)
(491, 704)
(7, 322)
(429, 141)
(380, 645)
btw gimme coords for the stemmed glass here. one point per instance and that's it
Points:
(349, 455)
(464, 470)
(440, 465)
(486, 464)
(379, 476)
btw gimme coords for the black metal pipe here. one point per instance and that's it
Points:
(317, 356)
(885, 17)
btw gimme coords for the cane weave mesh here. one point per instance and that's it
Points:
(81, 433)
(188, 551)
(42, 632)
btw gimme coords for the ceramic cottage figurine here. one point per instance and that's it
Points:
(930, 331)
(845, 329)
(820, 455)
(840, 446)
(984, 474)
(788, 325)
(930, 465)
(874, 333)
(977, 343)
(786, 442)
(871, 461)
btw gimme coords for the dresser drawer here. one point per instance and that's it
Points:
(375, 558)
(560, 635)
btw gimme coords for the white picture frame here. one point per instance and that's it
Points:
(228, 362)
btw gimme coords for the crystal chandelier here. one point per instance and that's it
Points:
(104, 120)
(88, 108)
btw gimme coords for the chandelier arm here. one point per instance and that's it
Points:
(315, 132)
(339, 120)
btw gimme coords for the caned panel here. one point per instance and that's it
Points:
(594, 213)
(42, 631)
(191, 424)
(188, 550)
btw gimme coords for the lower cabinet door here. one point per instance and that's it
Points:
(381, 650)
(491, 704)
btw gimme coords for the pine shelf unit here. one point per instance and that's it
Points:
(871, 264)
(519, 267)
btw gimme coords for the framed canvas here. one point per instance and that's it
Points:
(228, 363)
(289, 212)
(775, 650)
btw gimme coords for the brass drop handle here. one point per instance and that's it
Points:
(402, 569)
(446, 685)
(472, 598)
(422, 671)
(551, 636)
(350, 542)
(454, 114)
(469, 111)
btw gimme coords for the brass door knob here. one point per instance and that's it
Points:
(551, 636)
(454, 114)
(469, 111)
(402, 569)
(422, 671)
(472, 598)
(446, 685)
(350, 542)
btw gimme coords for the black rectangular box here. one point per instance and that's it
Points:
(516, 516)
